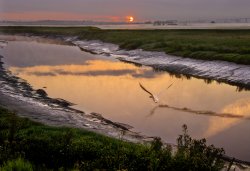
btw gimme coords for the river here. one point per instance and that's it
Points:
(103, 84)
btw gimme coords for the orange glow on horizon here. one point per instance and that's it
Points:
(43, 15)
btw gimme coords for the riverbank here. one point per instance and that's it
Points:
(225, 45)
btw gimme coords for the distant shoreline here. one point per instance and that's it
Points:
(138, 26)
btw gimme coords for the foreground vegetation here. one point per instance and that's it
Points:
(28, 145)
(226, 45)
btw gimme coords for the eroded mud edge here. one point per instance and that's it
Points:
(220, 71)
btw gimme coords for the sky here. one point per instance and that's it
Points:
(118, 10)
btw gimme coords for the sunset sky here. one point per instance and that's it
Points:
(119, 10)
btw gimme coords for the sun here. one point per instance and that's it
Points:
(130, 19)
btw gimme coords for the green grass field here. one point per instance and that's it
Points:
(29, 145)
(226, 45)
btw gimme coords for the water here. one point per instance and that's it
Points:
(105, 85)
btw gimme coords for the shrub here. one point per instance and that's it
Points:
(196, 155)
(17, 165)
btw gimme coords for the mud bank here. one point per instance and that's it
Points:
(220, 71)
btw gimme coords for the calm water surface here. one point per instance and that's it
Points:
(104, 85)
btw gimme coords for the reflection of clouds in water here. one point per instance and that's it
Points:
(92, 68)
(228, 117)
(41, 74)
(240, 107)
(96, 73)
(90, 73)
(198, 112)
(33, 53)
(92, 92)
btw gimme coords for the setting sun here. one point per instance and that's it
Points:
(130, 18)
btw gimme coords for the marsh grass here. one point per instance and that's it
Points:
(226, 45)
